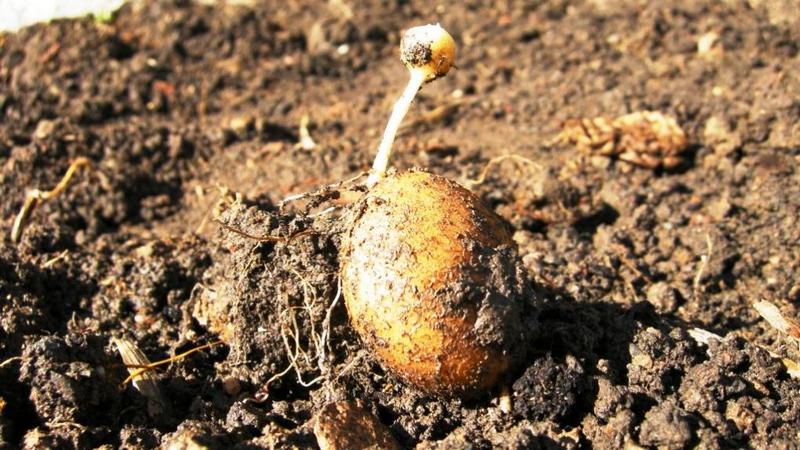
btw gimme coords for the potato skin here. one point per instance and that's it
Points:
(433, 284)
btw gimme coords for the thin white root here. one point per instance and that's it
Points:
(10, 360)
(316, 355)
(398, 113)
(321, 191)
(470, 183)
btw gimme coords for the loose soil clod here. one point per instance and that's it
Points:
(347, 425)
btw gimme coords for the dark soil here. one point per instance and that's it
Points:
(182, 106)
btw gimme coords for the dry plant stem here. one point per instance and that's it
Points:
(34, 197)
(148, 367)
(398, 113)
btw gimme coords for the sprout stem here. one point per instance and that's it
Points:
(398, 113)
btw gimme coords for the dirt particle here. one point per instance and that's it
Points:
(611, 399)
(245, 419)
(232, 386)
(663, 296)
(666, 426)
(717, 133)
(549, 389)
(193, 435)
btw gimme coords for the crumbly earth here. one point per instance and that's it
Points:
(180, 106)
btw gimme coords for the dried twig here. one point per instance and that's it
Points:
(34, 197)
(142, 368)
(52, 261)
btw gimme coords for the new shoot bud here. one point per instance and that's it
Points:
(429, 52)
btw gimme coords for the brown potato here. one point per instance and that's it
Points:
(433, 284)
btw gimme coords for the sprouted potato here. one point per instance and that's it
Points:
(430, 276)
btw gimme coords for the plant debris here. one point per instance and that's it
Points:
(35, 197)
(643, 138)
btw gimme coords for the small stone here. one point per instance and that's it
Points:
(245, 418)
(44, 129)
(706, 43)
(193, 435)
(345, 425)
(183, 440)
(232, 386)
(241, 124)
(665, 426)
(663, 297)
(718, 135)
(146, 251)
(743, 417)
(719, 209)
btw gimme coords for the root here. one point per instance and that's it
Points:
(315, 356)
(265, 238)
(35, 197)
(322, 194)
(471, 183)
(10, 360)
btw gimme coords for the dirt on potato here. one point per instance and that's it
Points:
(176, 236)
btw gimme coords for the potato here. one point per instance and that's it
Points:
(433, 284)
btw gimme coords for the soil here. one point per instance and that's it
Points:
(190, 115)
